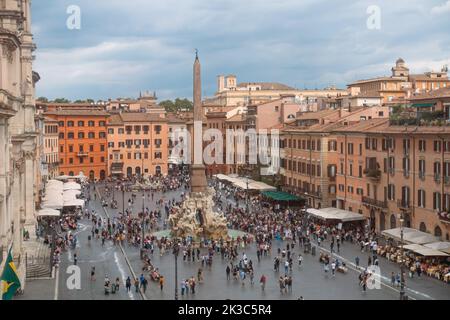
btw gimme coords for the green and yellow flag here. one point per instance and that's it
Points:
(10, 281)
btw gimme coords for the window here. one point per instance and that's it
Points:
(91, 135)
(70, 160)
(421, 168)
(332, 145)
(158, 129)
(120, 130)
(110, 131)
(145, 129)
(391, 191)
(437, 146)
(158, 155)
(110, 144)
(422, 145)
(91, 124)
(81, 123)
(70, 135)
(102, 159)
(61, 149)
(91, 159)
(61, 124)
(61, 135)
(121, 144)
(70, 148)
(102, 147)
(421, 198)
(350, 148)
(70, 123)
(436, 201)
(102, 135)
(101, 123)
(360, 171)
(80, 135)
(158, 142)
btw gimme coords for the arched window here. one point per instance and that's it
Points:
(71, 173)
(438, 232)
(423, 227)
(393, 222)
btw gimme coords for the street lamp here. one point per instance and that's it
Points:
(123, 199)
(402, 277)
(142, 226)
(176, 250)
(246, 199)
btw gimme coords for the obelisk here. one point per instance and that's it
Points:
(198, 176)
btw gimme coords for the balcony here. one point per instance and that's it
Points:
(447, 180)
(373, 174)
(82, 154)
(374, 203)
(437, 177)
(421, 175)
(404, 204)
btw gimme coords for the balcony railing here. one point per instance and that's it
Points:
(82, 154)
(373, 174)
(404, 204)
(437, 177)
(447, 180)
(374, 203)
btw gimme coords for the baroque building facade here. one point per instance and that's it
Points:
(18, 134)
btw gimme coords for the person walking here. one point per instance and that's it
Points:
(93, 274)
(161, 282)
(75, 259)
(357, 262)
(228, 271)
(262, 281)
(136, 285)
(128, 284)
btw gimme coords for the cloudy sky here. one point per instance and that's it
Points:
(123, 47)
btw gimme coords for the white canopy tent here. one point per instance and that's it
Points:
(424, 251)
(74, 203)
(411, 236)
(71, 186)
(443, 246)
(241, 182)
(48, 212)
(335, 214)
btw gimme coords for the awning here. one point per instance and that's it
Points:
(443, 246)
(424, 251)
(71, 186)
(336, 214)
(422, 105)
(280, 196)
(241, 182)
(74, 203)
(47, 212)
(410, 235)
(71, 194)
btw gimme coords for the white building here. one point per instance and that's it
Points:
(18, 163)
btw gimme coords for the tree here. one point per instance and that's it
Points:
(178, 105)
(42, 99)
(168, 105)
(61, 100)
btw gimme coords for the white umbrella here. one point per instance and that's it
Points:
(48, 212)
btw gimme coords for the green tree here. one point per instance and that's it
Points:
(42, 99)
(168, 105)
(61, 100)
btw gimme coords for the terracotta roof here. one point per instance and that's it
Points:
(120, 119)
(77, 112)
(361, 125)
(373, 80)
(318, 115)
(266, 85)
(438, 93)
(236, 118)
